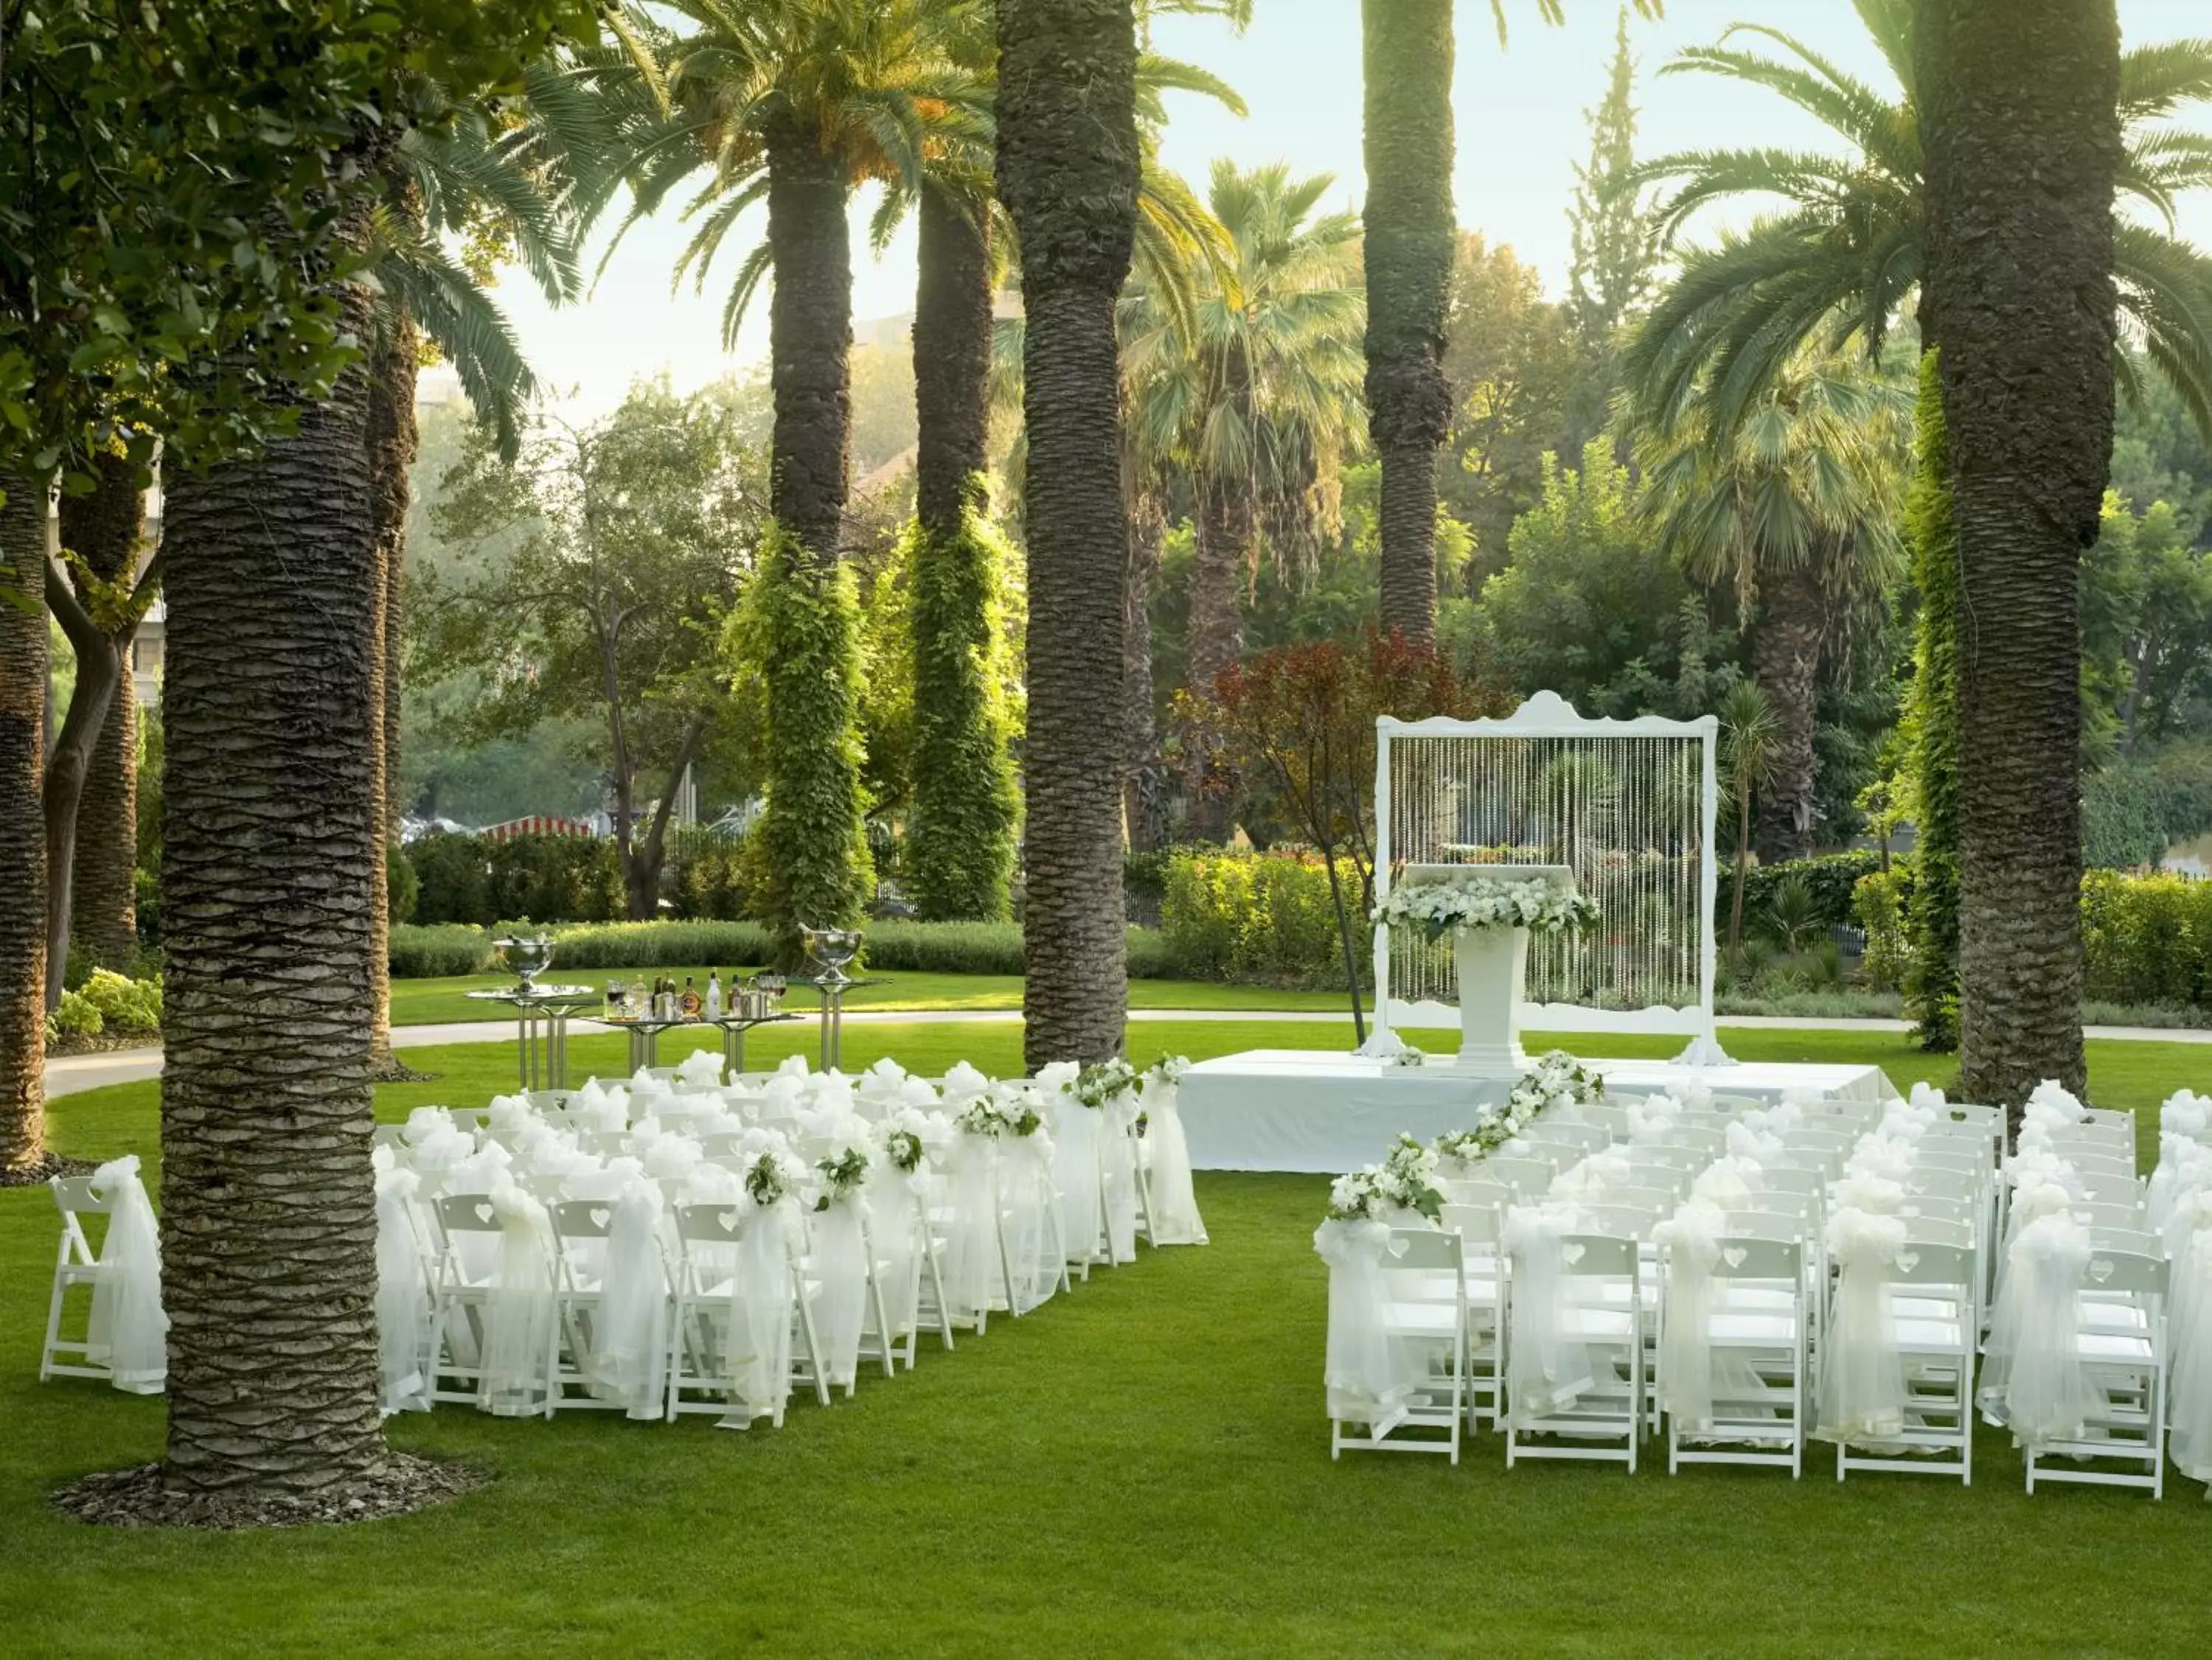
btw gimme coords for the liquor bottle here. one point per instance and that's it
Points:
(691, 1004)
(713, 995)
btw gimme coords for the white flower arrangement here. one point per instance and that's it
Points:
(842, 1175)
(1168, 1069)
(1438, 908)
(910, 1135)
(1405, 1180)
(772, 1177)
(1557, 1079)
(1099, 1087)
(1006, 1111)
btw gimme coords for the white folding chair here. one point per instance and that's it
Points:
(708, 1236)
(76, 1263)
(1482, 1259)
(1757, 1317)
(2127, 1372)
(1602, 1282)
(469, 1226)
(582, 1229)
(1425, 1283)
(394, 1136)
(1530, 1178)
(1934, 1292)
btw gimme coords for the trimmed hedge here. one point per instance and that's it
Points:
(913, 947)
(2146, 939)
(1265, 918)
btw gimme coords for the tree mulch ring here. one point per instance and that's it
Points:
(137, 1499)
(393, 1070)
(102, 1043)
(49, 1166)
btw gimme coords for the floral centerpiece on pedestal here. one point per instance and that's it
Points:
(1438, 908)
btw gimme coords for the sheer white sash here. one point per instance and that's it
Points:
(129, 1331)
(1371, 1376)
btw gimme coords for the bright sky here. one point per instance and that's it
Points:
(1520, 130)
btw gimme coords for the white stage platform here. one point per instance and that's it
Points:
(1309, 1110)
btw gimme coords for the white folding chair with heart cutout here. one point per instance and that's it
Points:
(1482, 1270)
(1576, 1338)
(583, 1231)
(1425, 1316)
(707, 1305)
(1743, 1376)
(2126, 1370)
(1934, 1297)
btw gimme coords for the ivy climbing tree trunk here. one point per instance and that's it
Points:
(1144, 807)
(269, 1223)
(960, 852)
(1219, 571)
(1412, 233)
(817, 848)
(23, 827)
(2018, 294)
(105, 529)
(1068, 165)
(1931, 722)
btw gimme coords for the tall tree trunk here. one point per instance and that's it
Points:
(22, 826)
(817, 848)
(1144, 793)
(1068, 167)
(2022, 138)
(1931, 978)
(1785, 651)
(98, 672)
(961, 849)
(1217, 575)
(269, 1225)
(1412, 233)
(392, 443)
(106, 528)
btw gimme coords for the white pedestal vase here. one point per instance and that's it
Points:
(1491, 963)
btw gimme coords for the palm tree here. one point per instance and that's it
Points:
(22, 828)
(1251, 391)
(1847, 250)
(1795, 509)
(1412, 237)
(2022, 302)
(793, 103)
(1750, 746)
(1069, 165)
(269, 1225)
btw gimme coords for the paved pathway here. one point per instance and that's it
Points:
(67, 1074)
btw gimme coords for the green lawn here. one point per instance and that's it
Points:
(1138, 1468)
(427, 1002)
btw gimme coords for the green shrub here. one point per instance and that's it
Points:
(706, 874)
(452, 880)
(659, 945)
(403, 888)
(2146, 939)
(1266, 919)
(77, 1017)
(557, 879)
(420, 952)
(125, 1004)
(1879, 902)
(1827, 880)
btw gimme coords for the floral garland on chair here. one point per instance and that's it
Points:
(1405, 1180)
(842, 1175)
(1099, 1087)
(1438, 908)
(1557, 1079)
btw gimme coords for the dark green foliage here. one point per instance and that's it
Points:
(403, 888)
(1931, 982)
(801, 627)
(1828, 882)
(706, 874)
(1263, 918)
(149, 907)
(960, 856)
(468, 880)
(451, 874)
(556, 879)
(2133, 809)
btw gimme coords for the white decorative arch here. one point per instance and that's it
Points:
(1627, 805)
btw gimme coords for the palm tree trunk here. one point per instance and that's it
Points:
(961, 848)
(1785, 651)
(1411, 234)
(1217, 575)
(105, 529)
(23, 827)
(269, 1225)
(811, 341)
(392, 442)
(1144, 805)
(1068, 165)
(2021, 301)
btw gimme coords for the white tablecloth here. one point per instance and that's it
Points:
(1309, 1110)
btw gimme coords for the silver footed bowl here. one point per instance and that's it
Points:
(527, 957)
(833, 948)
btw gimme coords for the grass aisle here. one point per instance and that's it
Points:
(1139, 1468)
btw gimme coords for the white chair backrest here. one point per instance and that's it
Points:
(1660, 1200)
(2109, 1189)
(1934, 1233)
(1626, 1221)
(1476, 1224)
(2094, 1214)
(75, 1199)
(389, 1134)
(1601, 1256)
(583, 1218)
(2127, 1239)
(1426, 1249)
(1476, 1190)
(1928, 1178)
(1794, 1179)
(466, 1213)
(709, 1224)
(1530, 1178)
(1768, 1224)
(1756, 1257)
(2139, 1274)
